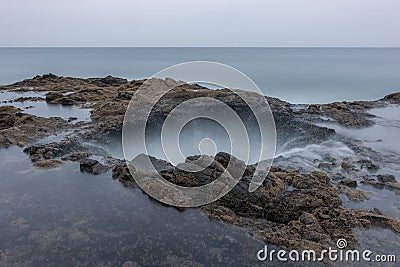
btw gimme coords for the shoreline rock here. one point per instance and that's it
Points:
(20, 129)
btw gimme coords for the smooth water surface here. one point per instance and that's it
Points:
(297, 75)
(62, 217)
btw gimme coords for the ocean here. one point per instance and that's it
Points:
(297, 75)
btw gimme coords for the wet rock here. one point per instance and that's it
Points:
(354, 194)
(339, 176)
(314, 109)
(311, 193)
(349, 183)
(325, 166)
(310, 215)
(92, 166)
(125, 95)
(349, 114)
(347, 165)
(76, 156)
(53, 150)
(365, 163)
(393, 98)
(376, 218)
(107, 81)
(47, 164)
(71, 119)
(32, 99)
(395, 186)
(121, 172)
(64, 101)
(308, 218)
(52, 96)
(19, 129)
(387, 178)
(8, 116)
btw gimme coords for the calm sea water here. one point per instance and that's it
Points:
(298, 75)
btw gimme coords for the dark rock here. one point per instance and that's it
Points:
(349, 114)
(385, 181)
(124, 95)
(19, 129)
(32, 99)
(365, 163)
(52, 96)
(387, 178)
(92, 166)
(349, 183)
(308, 218)
(71, 119)
(393, 98)
(8, 116)
(121, 172)
(49, 76)
(354, 194)
(76, 156)
(325, 166)
(347, 165)
(107, 81)
(64, 101)
(53, 150)
(314, 109)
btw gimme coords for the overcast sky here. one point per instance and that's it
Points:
(199, 23)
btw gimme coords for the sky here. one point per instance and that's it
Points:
(266, 23)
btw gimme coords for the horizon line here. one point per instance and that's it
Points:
(199, 46)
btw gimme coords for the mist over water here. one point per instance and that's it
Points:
(297, 75)
(195, 132)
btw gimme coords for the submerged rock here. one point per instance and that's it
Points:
(349, 183)
(354, 194)
(130, 264)
(47, 164)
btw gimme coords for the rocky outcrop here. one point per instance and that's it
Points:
(349, 114)
(382, 181)
(292, 208)
(392, 98)
(107, 81)
(54, 150)
(17, 128)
